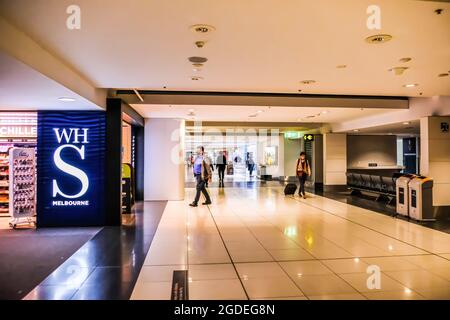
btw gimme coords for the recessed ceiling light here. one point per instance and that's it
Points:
(202, 28)
(308, 81)
(405, 60)
(196, 69)
(66, 99)
(443, 75)
(356, 130)
(379, 38)
(341, 66)
(406, 123)
(411, 85)
(398, 71)
(259, 111)
(195, 78)
(191, 110)
(324, 112)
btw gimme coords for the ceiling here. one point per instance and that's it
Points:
(256, 114)
(21, 87)
(258, 45)
(401, 128)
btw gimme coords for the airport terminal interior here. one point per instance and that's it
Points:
(245, 101)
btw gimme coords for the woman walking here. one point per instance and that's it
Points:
(303, 171)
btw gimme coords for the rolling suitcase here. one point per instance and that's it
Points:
(290, 189)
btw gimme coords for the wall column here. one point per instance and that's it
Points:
(334, 159)
(164, 170)
(435, 157)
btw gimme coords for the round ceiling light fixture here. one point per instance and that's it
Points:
(202, 28)
(398, 71)
(308, 81)
(379, 38)
(197, 59)
(66, 99)
(411, 85)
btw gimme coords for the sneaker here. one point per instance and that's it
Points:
(206, 203)
(193, 204)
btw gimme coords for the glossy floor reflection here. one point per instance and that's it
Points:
(107, 266)
(255, 243)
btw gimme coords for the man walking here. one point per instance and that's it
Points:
(202, 173)
(221, 164)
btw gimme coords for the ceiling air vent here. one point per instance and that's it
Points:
(197, 59)
(379, 38)
(202, 28)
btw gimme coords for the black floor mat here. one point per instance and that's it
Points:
(29, 256)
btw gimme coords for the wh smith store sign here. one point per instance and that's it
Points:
(71, 168)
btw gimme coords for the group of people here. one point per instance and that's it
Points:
(203, 168)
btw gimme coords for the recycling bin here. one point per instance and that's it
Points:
(421, 199)
(402, 191)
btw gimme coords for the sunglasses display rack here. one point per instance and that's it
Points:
(22, 186)
(4, 180)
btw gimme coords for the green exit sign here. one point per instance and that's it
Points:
(292, 135)
(308, 137)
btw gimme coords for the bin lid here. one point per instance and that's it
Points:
(422, 179)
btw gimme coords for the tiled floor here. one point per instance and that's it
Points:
(255, 243)
(107, 266)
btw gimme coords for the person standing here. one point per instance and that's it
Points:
(303, 171)
(221, 164)
(250, 165)
(202, 173)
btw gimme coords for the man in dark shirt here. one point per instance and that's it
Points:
(221, 163)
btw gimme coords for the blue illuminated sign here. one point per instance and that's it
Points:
(70, 164)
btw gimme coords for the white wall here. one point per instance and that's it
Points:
(164, 167)
(334, 159)
(435, 157)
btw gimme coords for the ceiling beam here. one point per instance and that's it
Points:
(262, 99)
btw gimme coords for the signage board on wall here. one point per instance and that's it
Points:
(71, 150)
(18, 131)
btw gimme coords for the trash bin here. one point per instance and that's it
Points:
(421, 199)
(401, 185)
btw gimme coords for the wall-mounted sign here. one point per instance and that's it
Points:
(292, 135)
(308, 137)
(71, 162)
(18, 131)
(444, 126)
